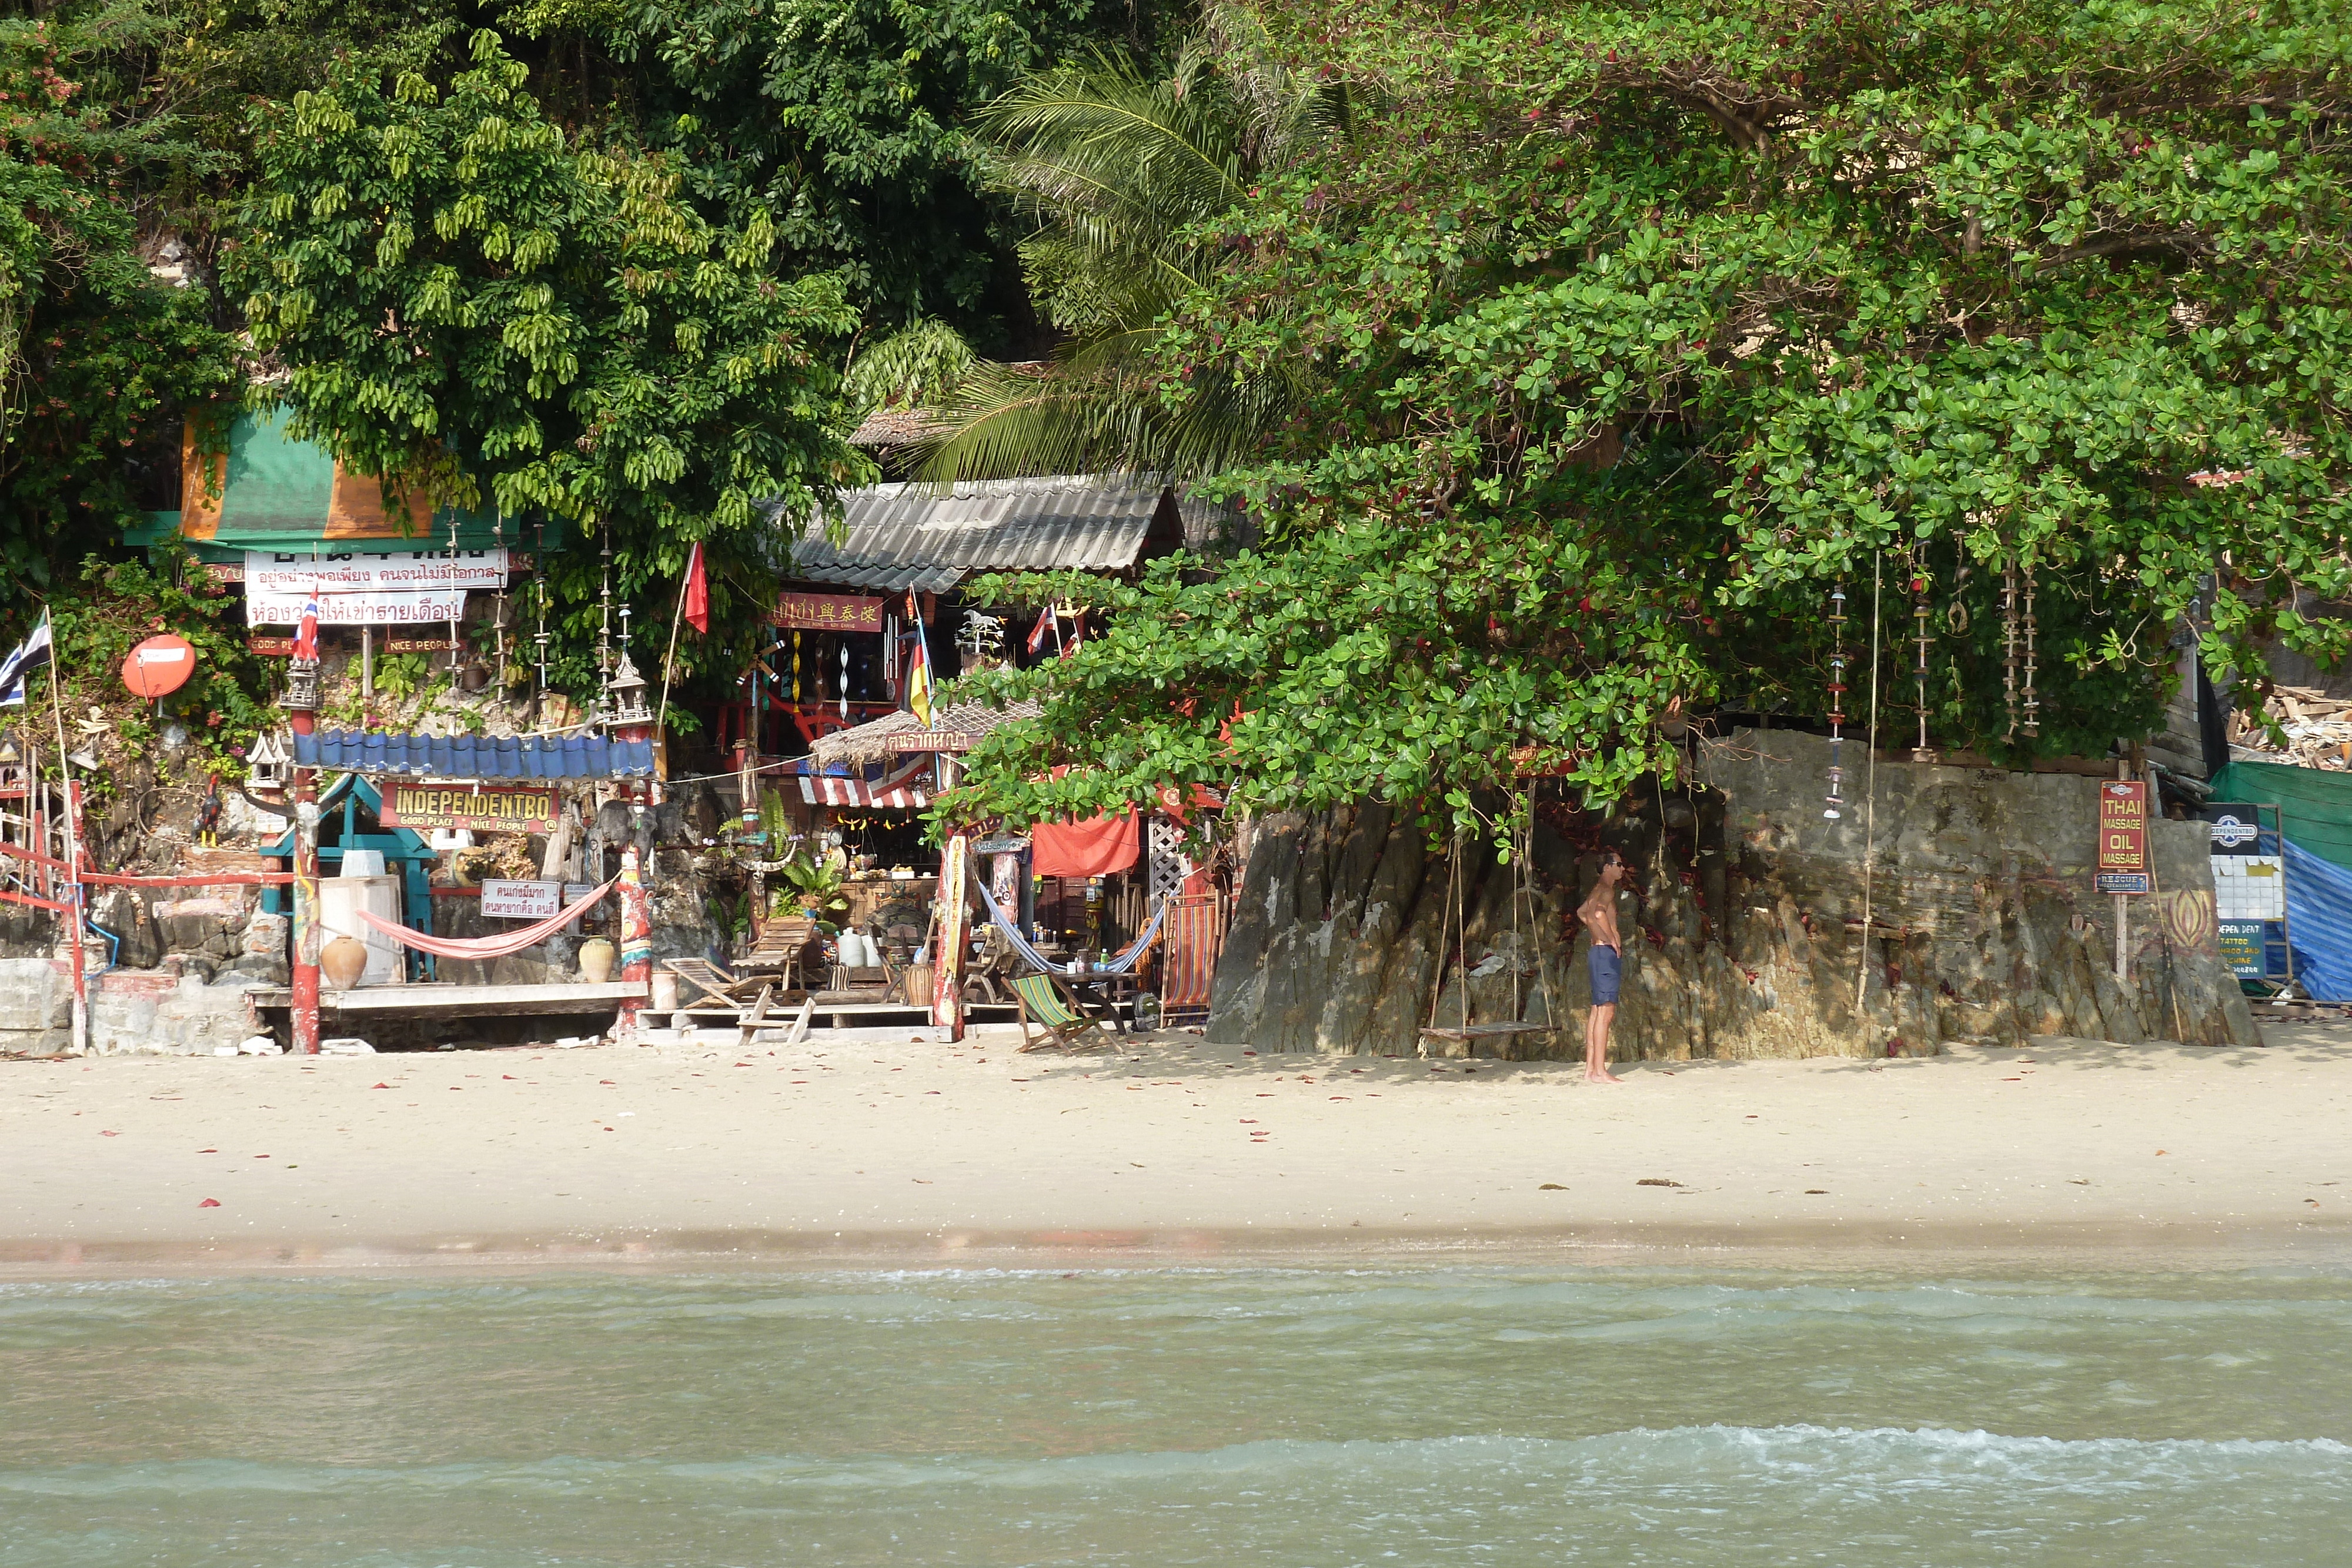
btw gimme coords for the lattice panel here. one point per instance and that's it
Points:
(1170, 864)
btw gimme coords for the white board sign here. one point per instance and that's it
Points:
(372, 571)
(356, 609)
(520, 900)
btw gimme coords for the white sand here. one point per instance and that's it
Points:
(1167, 1147)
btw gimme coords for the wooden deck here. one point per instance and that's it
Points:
(462, 1001)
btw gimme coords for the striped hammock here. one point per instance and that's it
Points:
(1038, 961)
(506, 945)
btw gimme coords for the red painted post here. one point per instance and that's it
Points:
(81, 1022)
(636, 925)
(304, 1010)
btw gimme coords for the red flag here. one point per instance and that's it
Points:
(697, 602)
(1078, 633)
(1044, 624)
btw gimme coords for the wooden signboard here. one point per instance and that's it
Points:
(2123, 825)
(828, 613)
(424, 807)
(270, 647)
(917, 740)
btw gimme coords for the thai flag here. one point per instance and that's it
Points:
(1044, 624)
(27, 656)
(306, 631)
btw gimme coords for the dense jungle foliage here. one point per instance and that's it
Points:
(1560, 360)
(1611, 337)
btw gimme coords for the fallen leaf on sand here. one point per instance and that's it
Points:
(217, 1150)
(507, 1076)
(378, 1085)
(1656, 1181)
(1817, 1192)
(1551, 1187)
(110, 1135)
(2163, 1151)
(209, 1203)
(920, 1182)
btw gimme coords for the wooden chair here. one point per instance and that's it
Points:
(783, 939)
(1057, 1013)
(726, 991)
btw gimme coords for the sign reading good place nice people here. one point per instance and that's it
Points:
(482, 811)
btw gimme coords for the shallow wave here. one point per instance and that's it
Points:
(1677, 1458)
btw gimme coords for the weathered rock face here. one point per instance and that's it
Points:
(1745, 937)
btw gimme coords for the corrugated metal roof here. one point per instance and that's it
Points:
(902, 536)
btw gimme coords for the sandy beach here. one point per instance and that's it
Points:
(1166, 1147)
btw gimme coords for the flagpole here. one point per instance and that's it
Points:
(685, 581)
(73, 847)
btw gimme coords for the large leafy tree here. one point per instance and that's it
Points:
(843, 121)
(1629, 330)
(97, 354)
(487, 309)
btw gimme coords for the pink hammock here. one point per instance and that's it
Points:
(500, 947)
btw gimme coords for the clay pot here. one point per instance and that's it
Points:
(665, 991)
(342, 961)
(596, 957)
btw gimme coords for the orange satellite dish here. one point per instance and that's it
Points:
(159, 666)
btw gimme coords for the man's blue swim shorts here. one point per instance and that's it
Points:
(1607, 971)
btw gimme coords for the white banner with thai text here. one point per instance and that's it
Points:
(372, 571)
(355, 609)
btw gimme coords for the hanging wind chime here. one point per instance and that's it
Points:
(796, 666)
(1837, 703)
(1923, 637)
(845, 677)
(498, 606)
(457, 600)
(2032, 723)
(539, 582)
(2009, 647)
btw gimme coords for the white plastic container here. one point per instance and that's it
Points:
(339, 900)
(362, 863)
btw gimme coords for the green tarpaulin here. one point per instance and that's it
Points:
(2316, 807)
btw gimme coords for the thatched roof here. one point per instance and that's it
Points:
(870, 742)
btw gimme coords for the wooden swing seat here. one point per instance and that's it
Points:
(1477, 1031)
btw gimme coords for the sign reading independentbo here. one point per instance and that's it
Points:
(2123, 826)
(520, 900)
(492, 811)
(828, 613)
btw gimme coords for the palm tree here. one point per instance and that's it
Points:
(1120, 171)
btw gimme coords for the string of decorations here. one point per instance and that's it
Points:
(2032, 723)
(539, 582)
(2008, 630)
(1924, 637)
(1837, 702)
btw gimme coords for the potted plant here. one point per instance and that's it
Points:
(816, 886)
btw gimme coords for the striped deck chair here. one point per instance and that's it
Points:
(1195, 934)
(1056, 1011)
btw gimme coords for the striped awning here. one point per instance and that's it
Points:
(906, 787)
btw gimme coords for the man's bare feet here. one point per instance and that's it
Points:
(1602, 1077)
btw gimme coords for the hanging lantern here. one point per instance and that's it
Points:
(845, 677)
(1837, 704)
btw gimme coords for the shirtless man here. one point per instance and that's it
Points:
(1607, 960)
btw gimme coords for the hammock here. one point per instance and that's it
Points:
(1044, 966)
(504, 945)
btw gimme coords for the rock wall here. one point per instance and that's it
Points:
(1746, 926)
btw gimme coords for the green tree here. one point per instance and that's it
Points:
(1120, 176)
(1640, 326)
(475, 305)
(843, 120)
(97, 354)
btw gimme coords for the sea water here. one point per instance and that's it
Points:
(1260, 1417)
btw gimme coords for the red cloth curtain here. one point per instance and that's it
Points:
(1096, 847)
